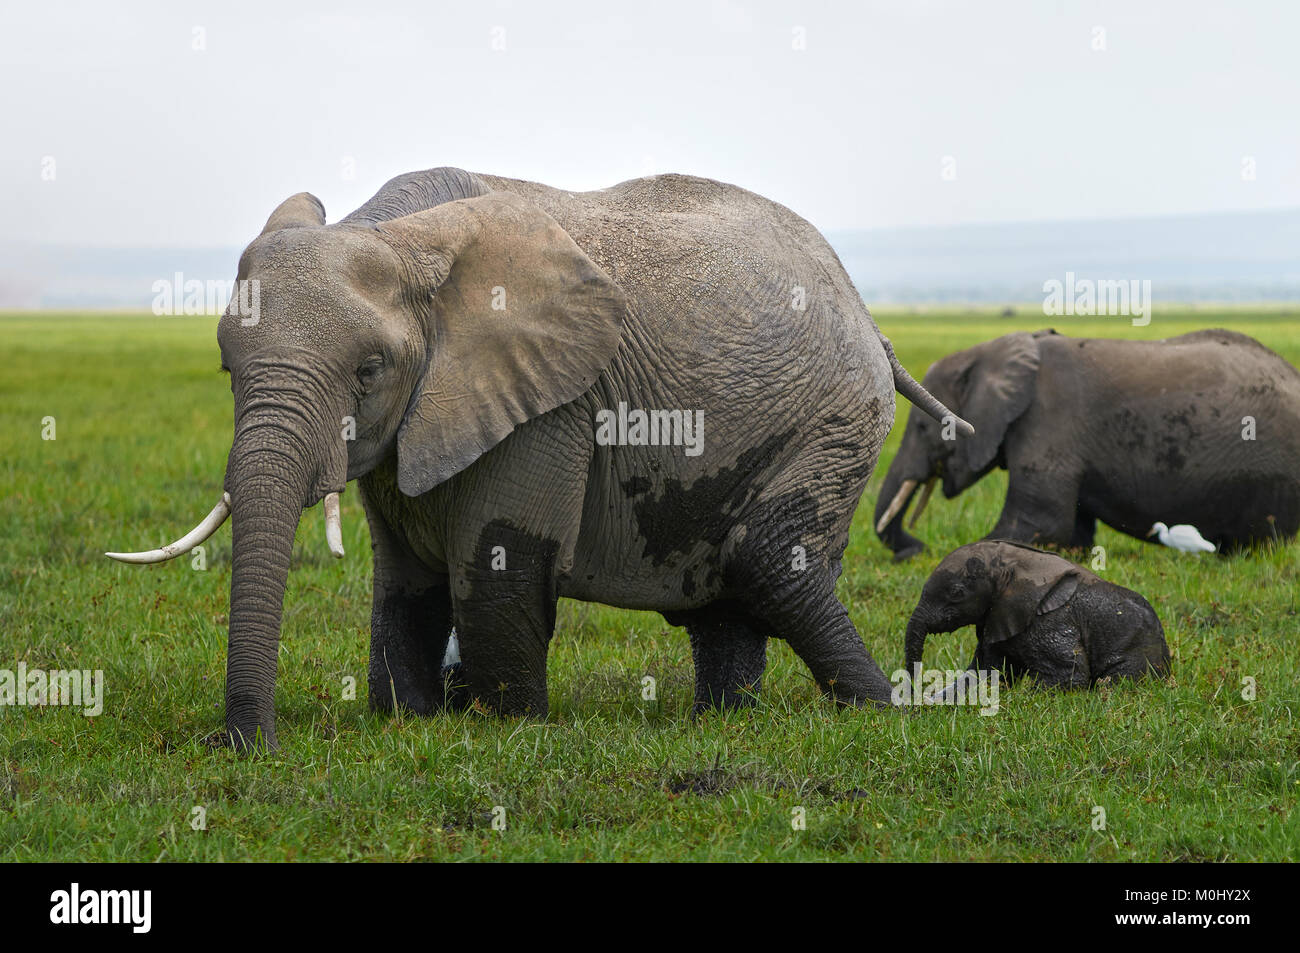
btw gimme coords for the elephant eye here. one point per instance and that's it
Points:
(369, 371)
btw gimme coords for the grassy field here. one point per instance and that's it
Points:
(1184, 770)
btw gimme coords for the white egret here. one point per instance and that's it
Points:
(452, 655)
(1182, 537)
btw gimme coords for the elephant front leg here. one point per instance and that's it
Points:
(1041, 508)
(1085, 530)
(410, 621)
(505, 617)
(504, 628)
(408, 639)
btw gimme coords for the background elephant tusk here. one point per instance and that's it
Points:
(925, 498)
(896, 504)
(333, 526)
(211, 523)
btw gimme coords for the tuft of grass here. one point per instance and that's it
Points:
(1187, 769)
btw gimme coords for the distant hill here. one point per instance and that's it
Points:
(1233, 257)
(70, 277)
(1236, 257)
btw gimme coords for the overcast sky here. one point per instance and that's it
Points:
(184, 124)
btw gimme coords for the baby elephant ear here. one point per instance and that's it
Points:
(1024, 598)
(1059, 594)
(295, 212)
(519, 322)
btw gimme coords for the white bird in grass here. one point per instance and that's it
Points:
(452, 655)
(1184, 538)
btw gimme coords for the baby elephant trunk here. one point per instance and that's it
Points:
(914, 646)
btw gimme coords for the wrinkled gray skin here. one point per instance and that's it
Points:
(1126, 432)
(475, 429)
(1038, 614)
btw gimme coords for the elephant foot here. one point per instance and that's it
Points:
(866, 704)
(254, 741)
(729, 650)
(903, 555)
(737, 699)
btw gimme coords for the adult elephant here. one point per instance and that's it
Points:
(1202, 429)
(664, 395)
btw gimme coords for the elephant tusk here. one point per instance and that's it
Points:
(896, 504)
(925, 498)
(211, 523)
(333, 526)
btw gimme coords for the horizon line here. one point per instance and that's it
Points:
(1003, 223)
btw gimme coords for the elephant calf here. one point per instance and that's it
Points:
(1036, 613)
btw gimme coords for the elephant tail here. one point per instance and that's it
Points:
(907, 385)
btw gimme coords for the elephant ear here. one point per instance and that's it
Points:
(1027, 594)
(296, 211)
(519, 321)
(994, 389)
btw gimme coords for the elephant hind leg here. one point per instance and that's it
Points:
(776, 571)
(1085, 529)
(730, 654)
(818, 628)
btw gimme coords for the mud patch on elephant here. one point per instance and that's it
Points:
(688, 582)
(1171, 456)
(513, 553)
(1129, 430)
(1179, 434)
(678, 518)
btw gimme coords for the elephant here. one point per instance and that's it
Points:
(1202, 429)
(1038, 614)
(664, 395)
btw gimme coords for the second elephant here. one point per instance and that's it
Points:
(1202, 429)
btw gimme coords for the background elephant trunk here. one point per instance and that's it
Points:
(893, 535)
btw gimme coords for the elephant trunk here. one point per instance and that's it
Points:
(914, 645)
(265, 512)
(276, 469)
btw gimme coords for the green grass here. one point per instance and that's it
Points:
(1185, 770)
